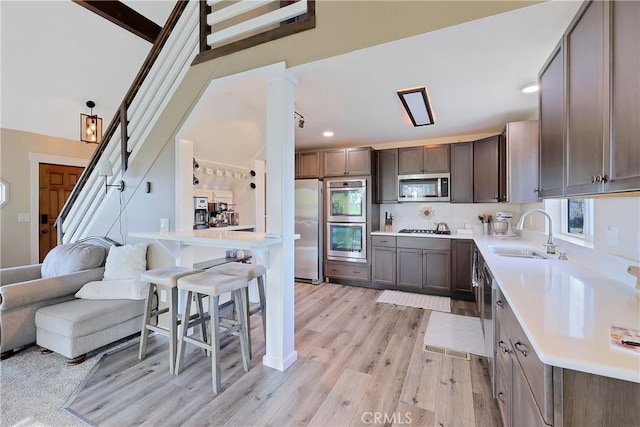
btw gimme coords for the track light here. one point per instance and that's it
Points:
(300, 118)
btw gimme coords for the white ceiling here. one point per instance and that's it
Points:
(474, 73)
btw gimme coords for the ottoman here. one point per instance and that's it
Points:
(74, 328)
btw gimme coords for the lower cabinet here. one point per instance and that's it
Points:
(346, 270)
(424, 263)
(461, 268)
(410, 268)
(384, 265)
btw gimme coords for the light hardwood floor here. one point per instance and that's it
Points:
(359, 363)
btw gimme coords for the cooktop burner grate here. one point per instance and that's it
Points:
(422, 231)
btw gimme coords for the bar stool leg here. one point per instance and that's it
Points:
(247, 317)
(203, 325)
(173, 328)
(263, 305)
(215, 343)
(148, 305)
(244, 332)
(186, 308)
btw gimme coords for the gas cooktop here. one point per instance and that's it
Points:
(422, 231)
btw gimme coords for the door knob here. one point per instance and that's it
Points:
(44, 231)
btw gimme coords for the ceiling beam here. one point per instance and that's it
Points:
(123, 16)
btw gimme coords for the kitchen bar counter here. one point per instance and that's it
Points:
(566, 310)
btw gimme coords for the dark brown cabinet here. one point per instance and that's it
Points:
(308, 164)
(518, 157)
(424, 263)
(427, 159)
(386, 176)
(461, 267)
(384, 260)
(347, 161)
(585, 102)
(486, 172)
(462, 173)
(590, 87)
(552, 129)
(622, 156)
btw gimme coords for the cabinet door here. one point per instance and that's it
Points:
(552, 120)
(437, 270)
(525, 412)
(521, 161)
(586, 100)
(308, 165)
(436, 159)
(461, 266)
(485, 170)
(622, 164)
(335, 162)
(387, 176)
(384, 265)
(462, 173)
(358, 161)
(410, 267)
(410, 160)
(503, 382)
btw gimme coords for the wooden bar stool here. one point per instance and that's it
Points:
(250, 272)
(213, 285)
(164, 279)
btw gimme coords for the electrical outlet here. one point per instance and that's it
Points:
(612, 236)
(163, 295)
(24, 217)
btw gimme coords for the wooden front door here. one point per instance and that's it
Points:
(56, 183)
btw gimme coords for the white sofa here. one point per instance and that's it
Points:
(24, 290)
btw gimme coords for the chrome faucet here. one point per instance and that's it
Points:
(551, 245)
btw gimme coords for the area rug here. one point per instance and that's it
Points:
(34, 386)
(428, 302)
(462, 334)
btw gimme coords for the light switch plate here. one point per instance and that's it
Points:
(24, 217)
(612, 236)
(163, 295)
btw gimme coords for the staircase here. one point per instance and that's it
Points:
(187, 38)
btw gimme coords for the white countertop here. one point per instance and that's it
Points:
(566, 310)
(221, 237)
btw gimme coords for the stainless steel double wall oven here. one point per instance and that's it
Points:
(346, 215)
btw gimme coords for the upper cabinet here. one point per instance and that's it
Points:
(427, 159)
(600, 101)
(462, 173)
(552, 120)
(309, 165)
(519, 162)
(622, 156)
(486, 170)
(386, 176)
(347, 161)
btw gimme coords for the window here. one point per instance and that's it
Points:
(577, 218)
(4, 193)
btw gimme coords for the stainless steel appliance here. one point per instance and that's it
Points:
(308, 224)
(200, 213)
(218, 214)
(346, 200)
(423, 231)
(347, 241)
(501, 224)
(423, 187)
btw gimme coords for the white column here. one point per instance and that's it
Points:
(280, 352)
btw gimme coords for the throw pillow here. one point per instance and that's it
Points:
(114, 289)
(72, 257)
(126, 262)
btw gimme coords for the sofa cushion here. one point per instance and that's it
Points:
(114, 289)
(82, 317)
(72, 257)
(126, 262)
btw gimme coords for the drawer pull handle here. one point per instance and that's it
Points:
(499, 303)
(355, 272)
(383, 241)
(523, 351)
(501, 397)
(503, 347)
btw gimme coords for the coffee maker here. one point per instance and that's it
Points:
(218, 214)
(200, 213)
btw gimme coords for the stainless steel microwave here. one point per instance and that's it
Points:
(427, 187)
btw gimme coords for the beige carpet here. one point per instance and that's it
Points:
(455, 332)
(34, 386)
(427, 302)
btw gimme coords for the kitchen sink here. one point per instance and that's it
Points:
(516, 252)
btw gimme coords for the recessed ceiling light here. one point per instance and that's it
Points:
(531, 88)
(327, 134)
